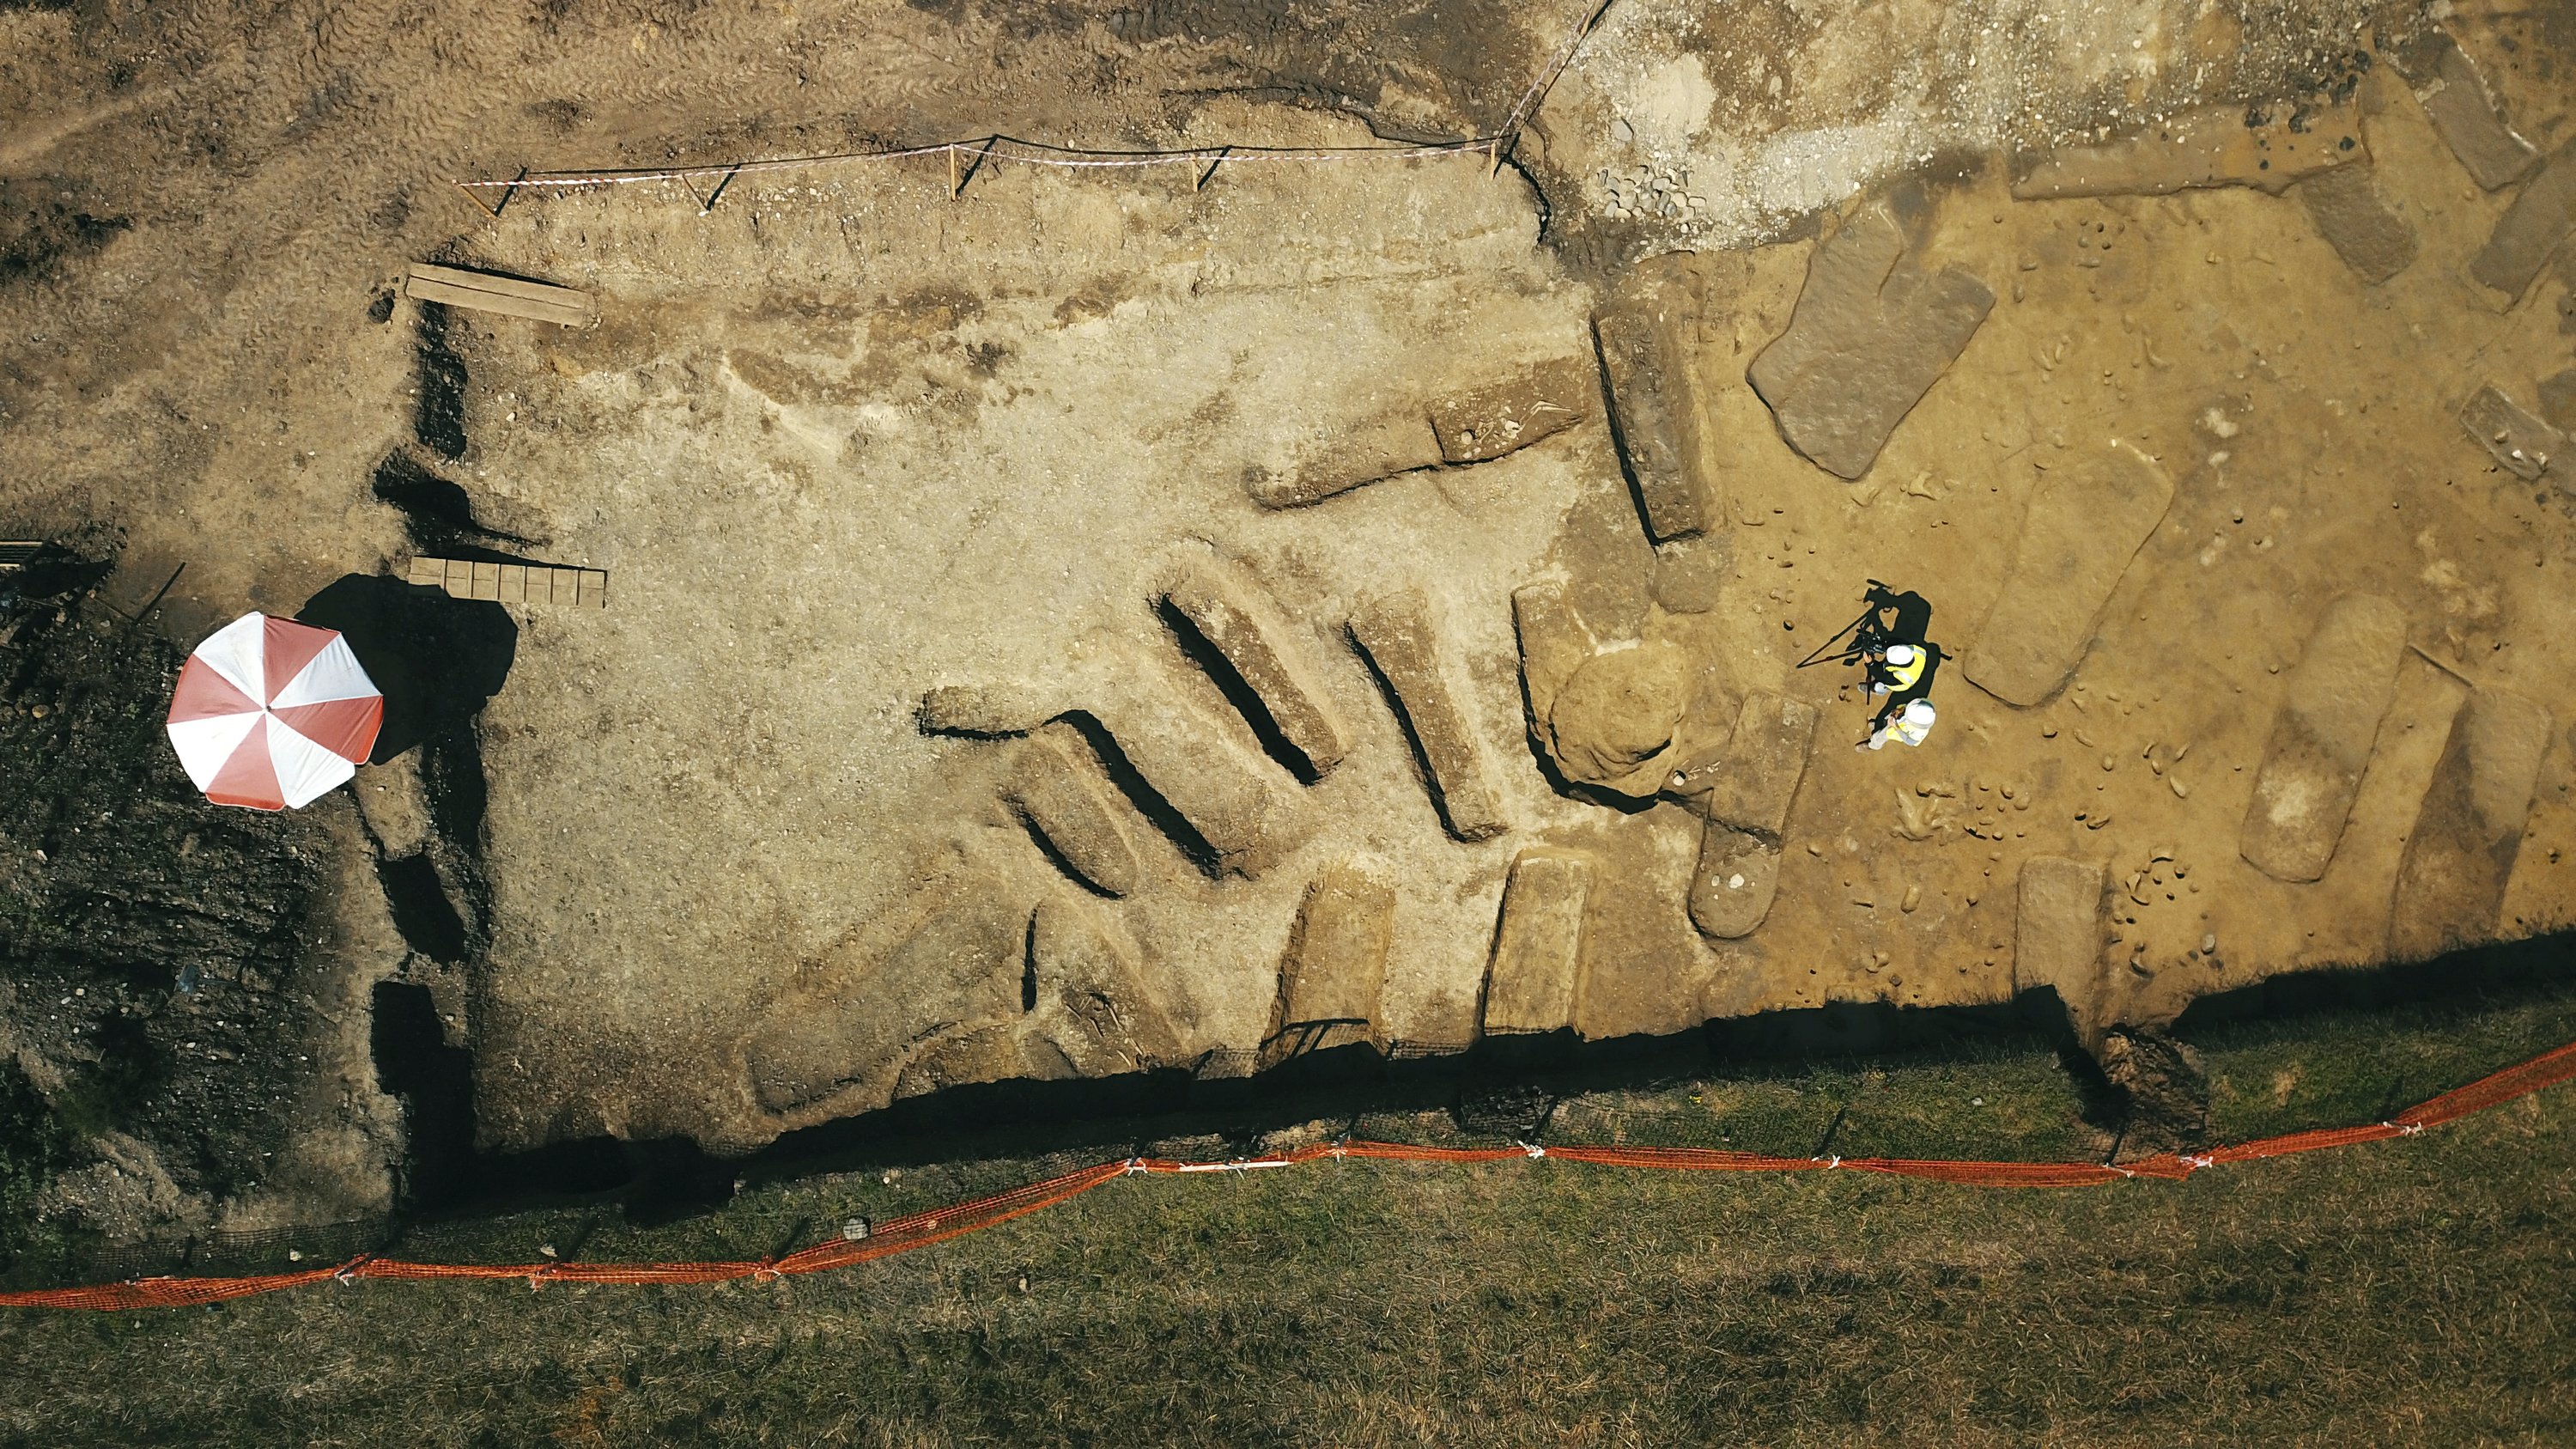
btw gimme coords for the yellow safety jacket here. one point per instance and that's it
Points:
(1902, 676)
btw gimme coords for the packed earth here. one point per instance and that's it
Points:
(1369, 579)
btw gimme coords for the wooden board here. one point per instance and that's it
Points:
(486, 292)
(511, 583)
(18, 553)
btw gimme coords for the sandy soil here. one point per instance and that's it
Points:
(844, 440)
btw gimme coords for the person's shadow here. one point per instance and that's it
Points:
(437, 659)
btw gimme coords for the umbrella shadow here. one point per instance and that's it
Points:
(438, 659)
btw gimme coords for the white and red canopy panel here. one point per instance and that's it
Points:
(272, 714)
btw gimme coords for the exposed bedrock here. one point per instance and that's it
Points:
(1535, 981)
(2079, 532)
(2057, 940)
(1272, 670)
(2463, 110)
(2204, 146)
(1871, 333)
(2331, 704)
(1667, 441)
(1334, 970)
(1399, 637)
(2370, 235)
(2468, 831)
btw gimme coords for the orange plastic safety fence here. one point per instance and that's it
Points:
(922, 1229)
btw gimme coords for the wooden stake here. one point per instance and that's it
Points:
(722, 182)
(957, 179)
(1213, 162)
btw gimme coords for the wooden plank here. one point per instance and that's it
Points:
(18, 553)
(539, 301)
(506, 286)
(496, 302)
(510, 583)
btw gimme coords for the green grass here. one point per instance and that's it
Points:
(2419, 1291)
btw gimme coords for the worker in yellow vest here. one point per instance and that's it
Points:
(1898, 668)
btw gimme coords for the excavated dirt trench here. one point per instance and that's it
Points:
(1219, 634)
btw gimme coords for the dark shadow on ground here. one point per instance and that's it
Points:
(1502, 1086)
(438, 659)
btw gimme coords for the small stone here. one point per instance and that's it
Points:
(853, 1229)
(1913, 897)
(2209, 945)
(1735, 882)
(2181, 790)
(2108, 764)
(2048, 732)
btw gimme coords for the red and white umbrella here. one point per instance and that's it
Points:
(273, 714)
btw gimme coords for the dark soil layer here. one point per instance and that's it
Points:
(148, 941)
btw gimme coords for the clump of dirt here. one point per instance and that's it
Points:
(2164, 1104)
(41, 229)
(149, 943)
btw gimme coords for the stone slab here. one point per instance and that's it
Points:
(1484, 423)
(1869, 337)
(2370, 236)
(2331, 704)
(1395, 633)
(2520, 443)
(985, 710)
(2558, 400)
(1659, 408)
(1396, 441)
(1232, 614)
(2464, 112)
(2204, 146)
(2057, 937)
(2082, 526)
(1058, 786)
(1554, 643)
(1733, 882)
(2541, 216)
(1535, 980)
(2468, 831)
(1750, 782)
(1334, 971)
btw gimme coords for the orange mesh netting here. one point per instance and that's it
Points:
(922, 1229)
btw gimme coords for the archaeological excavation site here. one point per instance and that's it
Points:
(929, 562)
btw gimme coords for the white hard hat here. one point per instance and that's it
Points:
(1919, 712)
(1900, 653)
